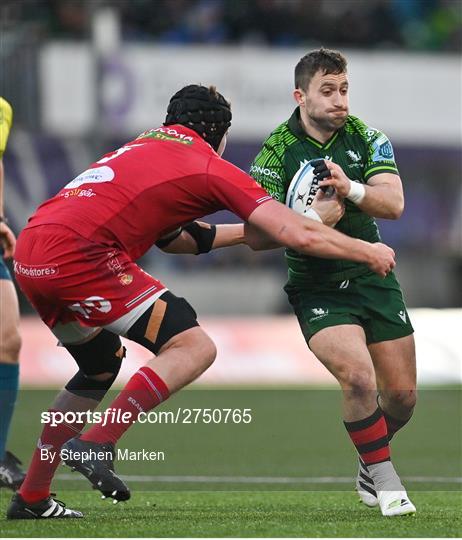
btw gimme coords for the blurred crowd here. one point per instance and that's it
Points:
(432, 221)
(409, 24)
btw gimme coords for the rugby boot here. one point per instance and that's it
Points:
(96, 462)
(11, 475)
(391, 494)
(395, 503)
(365, 485)
(48, 508)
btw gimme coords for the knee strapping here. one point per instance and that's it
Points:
(95, 357)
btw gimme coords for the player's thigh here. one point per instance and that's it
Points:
(343, 351)
(194, 344)
(395, 367)
(385, 314)
(73, 333)
(331, 322)
(170, 330)
(170, 324)
(10, 341)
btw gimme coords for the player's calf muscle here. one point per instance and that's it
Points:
(10, 345)
(401, 402)
(193, 350)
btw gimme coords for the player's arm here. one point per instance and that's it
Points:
(200, 237)
(381, 197)
(7, 238)
(384, 197)
(308, 236)
(382, 194)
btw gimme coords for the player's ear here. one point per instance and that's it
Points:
(299, 96)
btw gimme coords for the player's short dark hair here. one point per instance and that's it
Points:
(202, 109)
(320, 59)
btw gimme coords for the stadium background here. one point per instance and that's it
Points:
(86, 76)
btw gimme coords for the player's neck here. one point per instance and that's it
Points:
(315, 131)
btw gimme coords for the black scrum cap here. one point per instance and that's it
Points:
(202, 109)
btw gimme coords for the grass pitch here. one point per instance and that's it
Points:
(289, 472)
(241, 514)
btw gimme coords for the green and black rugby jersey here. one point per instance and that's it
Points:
(360, 150)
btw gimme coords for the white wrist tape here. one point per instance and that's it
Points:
(312, 214)
(357, 192)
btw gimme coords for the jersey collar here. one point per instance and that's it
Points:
(296, 128)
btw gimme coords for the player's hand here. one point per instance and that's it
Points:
(382, 259)
(7, 240)
(337, 179)
(329, 208)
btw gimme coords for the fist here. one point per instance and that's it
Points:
(329, 208)
(336, 179)
(382, 259)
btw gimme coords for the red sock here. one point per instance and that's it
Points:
(393, 424)
(370, 438)
(36, 485)
(144, 391)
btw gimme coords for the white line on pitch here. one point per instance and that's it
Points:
(261, 479)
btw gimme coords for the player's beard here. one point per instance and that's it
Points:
(328, 123)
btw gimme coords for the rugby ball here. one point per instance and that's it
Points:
(302, 189)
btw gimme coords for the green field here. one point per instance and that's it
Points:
(289, 472)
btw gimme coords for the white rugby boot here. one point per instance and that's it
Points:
(365, 485)
(395, 503)
(392, 497)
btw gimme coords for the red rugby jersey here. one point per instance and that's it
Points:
(165, 178)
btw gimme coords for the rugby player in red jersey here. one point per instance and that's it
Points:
(75, 261)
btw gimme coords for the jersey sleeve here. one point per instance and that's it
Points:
(267, 169)
(234, 189)
(380, 155)
(6, 119)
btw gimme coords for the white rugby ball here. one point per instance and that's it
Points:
(303, 188)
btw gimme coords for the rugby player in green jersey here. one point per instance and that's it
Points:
(354, 321)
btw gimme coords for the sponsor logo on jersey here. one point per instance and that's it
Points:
(126, 279)
(117, 269)
(167, 134)
(78, 193)
(355, 158)
(353, 155)
(382, 150)
(319, 313)
(36, 271)
(264, 171)
(98, 175)
(386, 150)
(370, 133)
